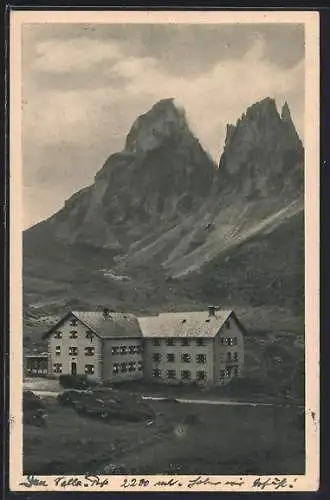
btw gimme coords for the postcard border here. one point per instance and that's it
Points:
(311, 277)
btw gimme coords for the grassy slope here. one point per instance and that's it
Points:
(267, 270)
(226, 440)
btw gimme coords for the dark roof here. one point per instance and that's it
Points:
(184, 324)
(114, 325)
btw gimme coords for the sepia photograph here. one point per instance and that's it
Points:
(164, 251)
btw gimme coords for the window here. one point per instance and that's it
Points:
(132, 349)
(186, 357)
(156, 342)
(73, 351)
(57, 335)
(73, 322)
(171, 357)
(58, 368)
(185, 375)
(156, 373)
(185, 341)
(131, 366)
(171, 374)
(123, 349)
(201, 375)
(140, 366)
(89, 369)
(230, 341)
(201, 358)
(200, 342)
(89, 351)
(89, 335)
(170, 341)
(224, 373)
(58, 350)
(156, 356)
(73, 334)
(115, 368)
(115, 350)
(235, 356)
(123, 367)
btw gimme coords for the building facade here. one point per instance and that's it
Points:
(103, 345)
(204, 348)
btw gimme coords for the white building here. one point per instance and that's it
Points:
(205, 347)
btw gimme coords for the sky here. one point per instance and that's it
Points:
(84, 85)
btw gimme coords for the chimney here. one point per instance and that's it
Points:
(106, 312)
(211, 310)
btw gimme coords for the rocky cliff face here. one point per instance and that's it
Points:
(259, 184)
(163, 206)
(162, 174)
(263, 155)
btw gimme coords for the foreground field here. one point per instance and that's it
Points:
(222, 440)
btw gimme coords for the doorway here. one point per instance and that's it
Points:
(74, 368)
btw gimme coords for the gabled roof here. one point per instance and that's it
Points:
(115, 325)
(184, 324)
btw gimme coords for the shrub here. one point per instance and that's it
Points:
(73, 381)
(244, 386)
(31, 401)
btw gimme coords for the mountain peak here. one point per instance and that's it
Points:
(163, 104)
(164, 119)
(265, 107)
(285, 113)
(263, 153)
